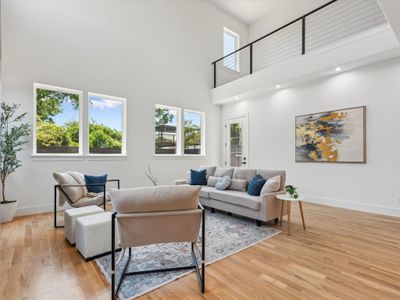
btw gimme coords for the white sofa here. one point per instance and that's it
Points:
(235, 199)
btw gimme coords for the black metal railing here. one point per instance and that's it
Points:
(319, 27)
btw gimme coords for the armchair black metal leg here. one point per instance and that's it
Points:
(123, 273)
(113, 256)
(104, 198)
(203, 249)
(55, 208)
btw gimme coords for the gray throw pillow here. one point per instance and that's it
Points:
(221, 172)
(238, 185)
(223, 183)
(212, 180)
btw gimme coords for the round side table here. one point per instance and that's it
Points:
(288, 199)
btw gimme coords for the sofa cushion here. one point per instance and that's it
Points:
(246, 174)
(205, 191)
(255, 185)
(238, 185)
(236, 198)
(221, 172)
(102, 179)
(66, 178)
(223, 183)
(97, 199)
(212, 180)
(155, 199)
(198, 177)
(271, 173)
(188, 179)
(272, 185)
(210, 170)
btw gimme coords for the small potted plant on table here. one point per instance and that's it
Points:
(292, 191)
(13, 135)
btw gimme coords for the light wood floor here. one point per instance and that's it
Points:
(342, 255)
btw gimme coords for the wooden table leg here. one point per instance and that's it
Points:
(282, 204)
(302, 215)
(289, 207)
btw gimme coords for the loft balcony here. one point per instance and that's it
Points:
(345, 33)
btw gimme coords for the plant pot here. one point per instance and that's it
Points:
(7, 211)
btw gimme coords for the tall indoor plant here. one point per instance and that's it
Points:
(13, 134)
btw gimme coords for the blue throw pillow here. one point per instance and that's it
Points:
(223, 183)
(255, 185)
(198, 177)
(95, 180)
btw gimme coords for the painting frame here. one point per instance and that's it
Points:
(364, 136)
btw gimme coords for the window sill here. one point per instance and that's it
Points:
(106, 157)
(80, 157)
(178, 156)
(47, 157)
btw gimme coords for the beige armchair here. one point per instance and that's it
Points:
(152, 215)
(73, 190)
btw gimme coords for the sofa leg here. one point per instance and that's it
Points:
(212, 210)
(276, 220)
(259, 223)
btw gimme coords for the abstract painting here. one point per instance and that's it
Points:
(333, 136)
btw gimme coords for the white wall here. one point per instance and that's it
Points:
(147, 51)
(374, 186)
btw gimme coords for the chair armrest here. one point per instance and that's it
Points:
(80, 185)
(180, 181)
(115, 180)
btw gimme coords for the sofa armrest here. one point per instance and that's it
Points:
(180, 181)
(271, 206)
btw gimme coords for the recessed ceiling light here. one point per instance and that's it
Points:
(338, 69)
(278, 86)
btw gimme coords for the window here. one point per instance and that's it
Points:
(106, 115)
(58, 120)
(231, 44)
(194, 133)
(167, 130)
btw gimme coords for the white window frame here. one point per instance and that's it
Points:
(236, 36)
(203, 132)
(123, 126)
(178, 130)
(62, 90)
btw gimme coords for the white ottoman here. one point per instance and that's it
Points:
(93, 235)
(70, 216)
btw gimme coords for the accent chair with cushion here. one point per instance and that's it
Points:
(153, 215)
(73, 190)
(236, 199)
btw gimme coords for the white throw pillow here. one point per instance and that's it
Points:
(272, 185)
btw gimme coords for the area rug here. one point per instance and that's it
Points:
(225, 235)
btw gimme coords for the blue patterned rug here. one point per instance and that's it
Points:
(225, 235)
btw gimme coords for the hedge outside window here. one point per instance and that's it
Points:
(193, 128)
(167, 130)
(106, 124)
(58, 126)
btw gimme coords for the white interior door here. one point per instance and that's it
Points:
(236, 142)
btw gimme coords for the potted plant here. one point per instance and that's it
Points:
(292, 191)
(13, 135)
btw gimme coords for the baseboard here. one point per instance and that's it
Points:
(370, 208)
(364, 207)
(32, 210)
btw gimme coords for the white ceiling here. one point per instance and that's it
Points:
(250, 11)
